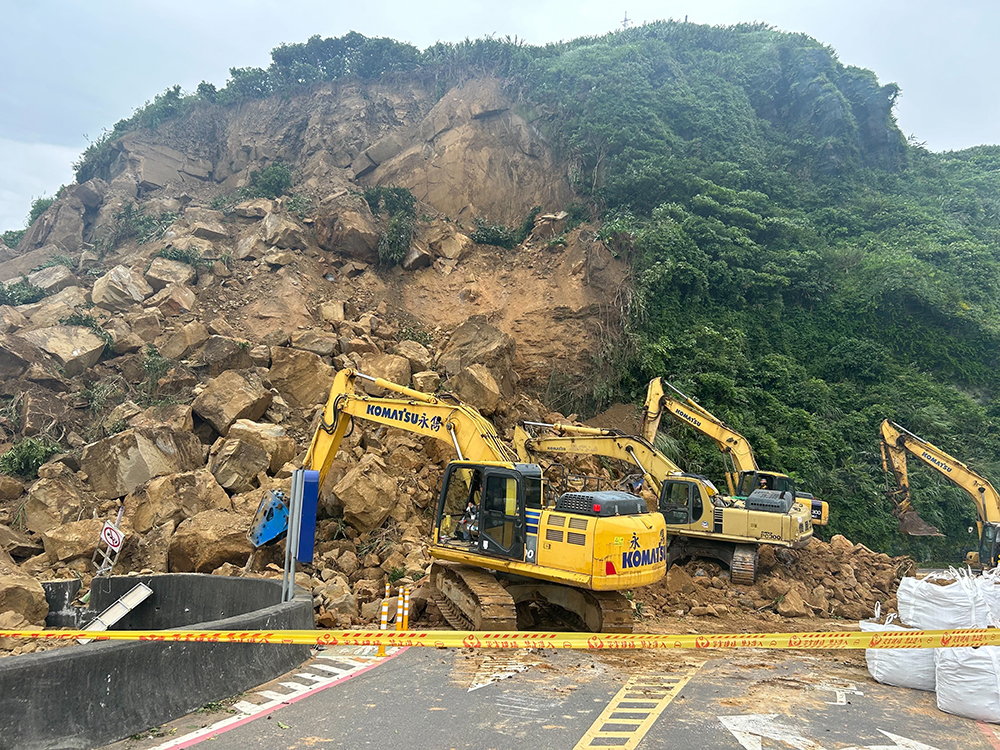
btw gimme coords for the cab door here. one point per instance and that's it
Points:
(501, 519)
(676, 498)
(988, 544)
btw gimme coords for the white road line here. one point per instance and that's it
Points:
(248, 710)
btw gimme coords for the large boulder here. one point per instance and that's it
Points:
(118, 464)
(283, 308)
(389, 367)
(11, 319)
(176, 416)
(119, 289)
(302, 378)
(475, 385)
(53, 501)
(25, 596)
(221, 353)
(232, 395)
(163, 273)
(76, 348)
(478, 342)
(350, 233)
(445, 241)
(72, 540)
(174, 300)
(174, 498)
(208, 540)
(53, 279)
(318, 342)
(282, 232)
(270, 438)
(185, 340)
(237, 465)
(420, 359)
(153, 549)
(337, 596)
(51, 310)
(367, 494)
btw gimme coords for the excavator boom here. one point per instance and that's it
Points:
(473, 437)
(742, 473)
(895, 443)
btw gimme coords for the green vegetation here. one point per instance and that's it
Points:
(188, 255)
(399, 204)
(488, 233)
(132, 223)
(24, 458)
(12, 237)
(396, 574)
(38, 207)
(88, 321)
(155, 366)
(271, 182)
(21, 292)
(55, 260)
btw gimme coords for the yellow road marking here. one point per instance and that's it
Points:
(634, 709)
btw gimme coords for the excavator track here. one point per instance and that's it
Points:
(743, 569)
(473, 598)
(616, 611)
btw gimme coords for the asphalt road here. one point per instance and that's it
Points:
(427, 698)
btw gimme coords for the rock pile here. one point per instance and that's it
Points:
(238, 416)
(825, 580)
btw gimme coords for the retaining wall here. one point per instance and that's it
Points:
(83, 696)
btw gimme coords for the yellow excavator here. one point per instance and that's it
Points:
(896, 442)
(498, 544)
(743, 475)
(700, 521)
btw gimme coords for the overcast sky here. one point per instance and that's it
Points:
(70, 68)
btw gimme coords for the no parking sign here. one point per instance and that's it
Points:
(112, 536)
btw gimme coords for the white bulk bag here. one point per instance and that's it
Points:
(902, 667)
(942, 601)
(968, 682)
(989, 586)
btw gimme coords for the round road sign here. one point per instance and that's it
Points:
(112, 536)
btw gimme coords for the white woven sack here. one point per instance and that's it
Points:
(926, 605)
(901, 667)
(989, 586)
(968, 682)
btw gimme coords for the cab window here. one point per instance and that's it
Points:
(674, 502)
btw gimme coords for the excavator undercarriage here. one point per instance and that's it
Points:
(475, 599)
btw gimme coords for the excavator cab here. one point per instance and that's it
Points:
(681, 502)
(989, 547)
(764, 480)
(483, 508)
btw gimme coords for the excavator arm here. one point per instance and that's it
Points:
(896, 442)
(737, 453)
(473, 437)
(591, 441)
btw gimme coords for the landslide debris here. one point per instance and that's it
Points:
(823, 580)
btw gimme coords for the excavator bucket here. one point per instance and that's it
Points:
(911, 523)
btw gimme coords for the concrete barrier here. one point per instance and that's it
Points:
(88, 695)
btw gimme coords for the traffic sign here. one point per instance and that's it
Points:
(112, 536)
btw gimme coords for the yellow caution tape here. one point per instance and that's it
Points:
(592, 641)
